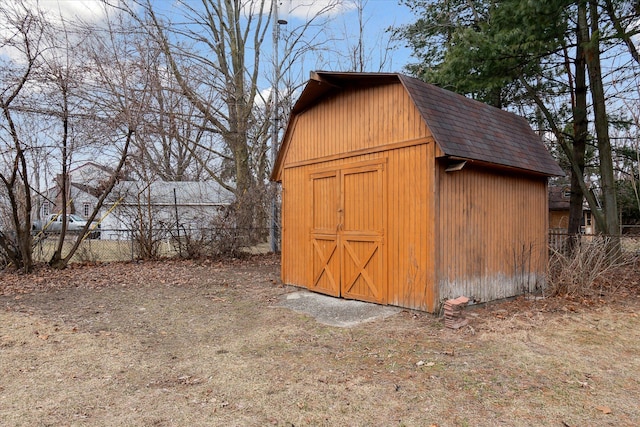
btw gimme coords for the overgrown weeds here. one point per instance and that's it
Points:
(586, 269)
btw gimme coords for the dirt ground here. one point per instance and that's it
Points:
(184, 343)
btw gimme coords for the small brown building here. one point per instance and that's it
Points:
(398, 192)
(559, 197)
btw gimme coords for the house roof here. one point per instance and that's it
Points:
(559, 199)
(163, 193)
(462, 127)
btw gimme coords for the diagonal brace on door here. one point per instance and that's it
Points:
(361, 269)
(325, 264)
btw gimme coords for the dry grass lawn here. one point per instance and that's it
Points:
(181, 343)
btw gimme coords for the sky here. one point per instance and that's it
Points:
(341, 31)
(89, 10)
(378, 16)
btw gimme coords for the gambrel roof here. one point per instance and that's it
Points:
(462, 128)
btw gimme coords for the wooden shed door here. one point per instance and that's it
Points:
(348, 232)
(324, 236)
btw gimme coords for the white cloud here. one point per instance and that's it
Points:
(636, 37)
(57, 15)
(262, 97)
(85, 10)
(307, 9)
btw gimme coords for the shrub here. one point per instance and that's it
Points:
(578, 272)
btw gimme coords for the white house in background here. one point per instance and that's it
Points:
(86, 184)
(187, 205)
(184, 204)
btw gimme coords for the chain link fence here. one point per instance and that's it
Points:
(129, 245)
(629, 241)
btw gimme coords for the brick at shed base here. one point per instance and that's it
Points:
(453, 313)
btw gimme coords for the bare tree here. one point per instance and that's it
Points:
(217, 45)
(84, 84)
(114, 101)
(215, 52)
(173, 143)
(359, 50)
(21, 43)
(58, 81)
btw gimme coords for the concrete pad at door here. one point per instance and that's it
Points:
(336, 311)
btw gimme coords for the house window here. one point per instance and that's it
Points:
(567, 193)
(587, 216)
(45, 209)
(86, 209)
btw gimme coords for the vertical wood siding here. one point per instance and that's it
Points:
(361, 231)
(403, 211)
(419, 235)
(492, 234)
(406, 221)
(354, 120)
(296, 225)
(411, 235)
(559, 219)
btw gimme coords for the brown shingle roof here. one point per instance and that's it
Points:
(462, 127)
(466, 128)
(557, 199)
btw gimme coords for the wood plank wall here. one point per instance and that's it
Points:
(356, 126)
(475, 232)
(409, 232)
(296, 226)
(355, 119)
(559, 219)
(411, 227)
(492, 239)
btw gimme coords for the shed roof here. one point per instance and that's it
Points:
(462, 127)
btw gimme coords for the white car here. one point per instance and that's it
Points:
(75, 224)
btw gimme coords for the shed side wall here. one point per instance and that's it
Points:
(493, 234)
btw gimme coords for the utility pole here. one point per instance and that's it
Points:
(275, 211)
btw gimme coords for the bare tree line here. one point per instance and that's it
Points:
(150, 93)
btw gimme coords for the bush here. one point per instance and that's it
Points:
(580, 271)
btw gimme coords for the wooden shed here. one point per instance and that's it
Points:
(398, 192)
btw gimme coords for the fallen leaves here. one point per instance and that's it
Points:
(189, 380)
(209, 335)
(171, 272)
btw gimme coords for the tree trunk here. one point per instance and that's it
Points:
(19, 195)
(580, 131)
(56, 260)
(607, 182)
